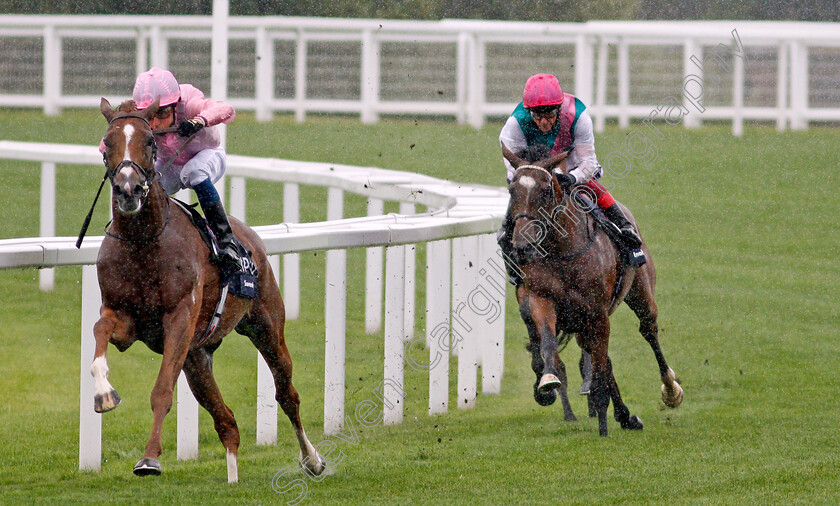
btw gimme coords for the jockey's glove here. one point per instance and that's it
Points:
(189, 127)
(565, 180)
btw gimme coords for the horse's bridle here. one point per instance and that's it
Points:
(562, 203)
(553, 194)
(149, 178)
(149, 175)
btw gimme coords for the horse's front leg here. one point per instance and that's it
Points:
(109, 327)
(178, 327)
(544, 317)
(537, 364)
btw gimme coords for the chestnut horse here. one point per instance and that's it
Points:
(570, 271)
(158, 286)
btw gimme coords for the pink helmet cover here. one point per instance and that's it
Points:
(156, 83)
(541, 90)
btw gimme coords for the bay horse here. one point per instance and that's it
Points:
(159, 287)
(570, 272)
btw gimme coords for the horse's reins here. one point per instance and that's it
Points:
(110, 172)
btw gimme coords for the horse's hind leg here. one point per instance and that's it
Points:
(266, 332)
(620, 411)
(640, 300)
(599, 394)
(198, 369)
(585, 366)
(604, 386)
(568, 414)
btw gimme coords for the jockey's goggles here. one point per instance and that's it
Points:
(165, 112)
(540, 113)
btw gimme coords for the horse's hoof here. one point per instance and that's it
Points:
(570, 417)
(633, 423)
(106, 402)
(544, 399)
(147, 467)
(315, 468)
(672, 397)
(602, 425)
(548, 383)
(585, 387)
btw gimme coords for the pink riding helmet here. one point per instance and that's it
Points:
(541, 90)
(156, 83)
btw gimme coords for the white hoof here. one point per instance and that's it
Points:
(315, 466)
(672, 395)
(106, 402)
(548, 382)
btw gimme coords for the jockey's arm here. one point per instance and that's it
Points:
(584, 149)
(513, 138)
(212, 112)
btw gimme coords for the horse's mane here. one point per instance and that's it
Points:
(534, 153)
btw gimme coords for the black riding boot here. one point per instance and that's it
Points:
(228, 251)
(505, 240)
(628, 232)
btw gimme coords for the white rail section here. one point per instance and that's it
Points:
(478, 67)
(465, 284)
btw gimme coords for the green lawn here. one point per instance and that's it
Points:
(743, 233)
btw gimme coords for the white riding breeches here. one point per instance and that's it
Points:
(206, 164)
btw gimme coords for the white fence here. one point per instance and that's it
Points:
(782, 72)
(465, 281)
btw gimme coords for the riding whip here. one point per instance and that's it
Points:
(90, 213)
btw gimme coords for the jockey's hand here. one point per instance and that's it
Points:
(189, 127)
(565, 180)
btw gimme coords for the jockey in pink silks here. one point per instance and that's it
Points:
(201, 162)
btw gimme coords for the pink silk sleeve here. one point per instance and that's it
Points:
(212, 112)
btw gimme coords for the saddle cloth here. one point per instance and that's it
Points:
(242, 283)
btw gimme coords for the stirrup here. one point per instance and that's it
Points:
(631, 238)
(238, 270)
(228, 257)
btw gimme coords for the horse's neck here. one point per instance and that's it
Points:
(571, 226)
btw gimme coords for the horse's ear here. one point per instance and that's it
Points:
(106, 109)
(509, 156)
(149, 112)
(554, 161)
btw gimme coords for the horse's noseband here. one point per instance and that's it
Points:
(542, 220)
(149, 175)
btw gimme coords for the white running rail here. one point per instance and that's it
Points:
(464, 291)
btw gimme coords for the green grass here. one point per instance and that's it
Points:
(743, 234)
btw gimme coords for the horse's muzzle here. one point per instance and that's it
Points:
(128, 201)
(525, 254)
